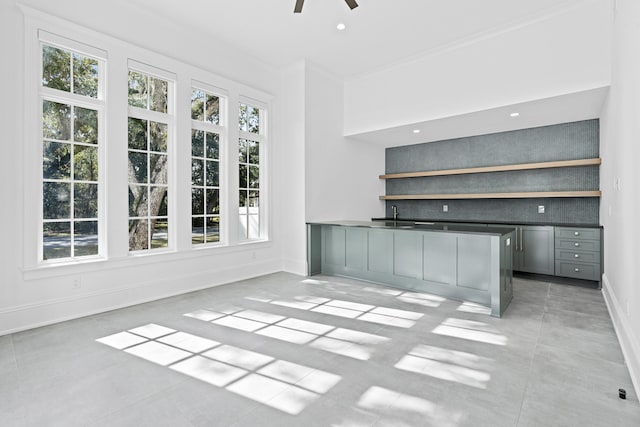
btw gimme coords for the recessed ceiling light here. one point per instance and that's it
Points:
(514, 114)
(341, 26)
(416, 131)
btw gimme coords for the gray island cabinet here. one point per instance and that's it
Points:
(462, 262)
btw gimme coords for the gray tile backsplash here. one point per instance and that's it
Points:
(578, 140)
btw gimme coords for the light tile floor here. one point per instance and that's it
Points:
(283, 350)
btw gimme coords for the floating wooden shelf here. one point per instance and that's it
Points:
(529, 195)
(503, 168)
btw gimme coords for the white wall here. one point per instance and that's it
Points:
(35, 297)
(341, 174)
(567, 52)
(291, 165)
(620, 203)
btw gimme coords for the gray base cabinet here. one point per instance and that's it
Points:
(537, 249)
(533, 249)
(578, 253)
(470, 267)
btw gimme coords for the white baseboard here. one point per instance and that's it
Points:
(29, 316)
(624, 331)
(295, 267)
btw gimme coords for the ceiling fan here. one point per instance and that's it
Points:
(299, 3)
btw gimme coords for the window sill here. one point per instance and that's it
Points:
(76, 267)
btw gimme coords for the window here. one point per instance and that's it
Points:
(72, 111)
(148, 161)
(205, 167)
(252, 138)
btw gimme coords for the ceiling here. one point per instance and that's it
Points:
(571, 107)
(378, 34)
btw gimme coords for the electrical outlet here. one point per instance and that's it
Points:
(445, 208)
(540, 209)
(253, 255)
(76, 284)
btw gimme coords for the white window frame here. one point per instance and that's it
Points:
(168, 118)
(262, 137)
(223, 134)
(99, 104)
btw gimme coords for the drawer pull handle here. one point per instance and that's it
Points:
(576, 256)
(576, 233)
(576, 244)
(577, 270)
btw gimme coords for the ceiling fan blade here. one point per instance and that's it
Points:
(298, 7)
(352, 4)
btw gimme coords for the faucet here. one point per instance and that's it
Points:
(394, 208)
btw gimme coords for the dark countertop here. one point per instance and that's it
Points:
(490, 222)
(420, 226)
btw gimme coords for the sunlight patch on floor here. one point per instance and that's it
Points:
(351, 310)
(346, 342)
(449, 365)
(285, 386)
(470, 330)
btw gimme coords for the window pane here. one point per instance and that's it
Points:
(197, 105)
(197, 201)
(137, 134)
(254, 227)
(242, 118)
(254, 200)
(254, 152)
(244, 195)
(56, 68)
(243, 176)
(138, 166)
(197, 172)
(213, 109)
(158, 166)
(56, 120)
(197, 230)
(138, 234)
(85, 197)
(212, 173)
(138, 198)
(158, 95)
(242, 151)
(85, 126)
(242, 230)
(213, 142)
(85, 241)
(160, 238)
(163, 209)
(253, 120)
(56, 160)
(137, 89)
(213, 202)
(254, 177)
(86, 163)
(197, 143)
(55, 200)
(158, 137)
(85, 76)
(56, 240)
(213, 229)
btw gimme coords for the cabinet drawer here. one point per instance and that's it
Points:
(577, 233)
(576, 256)
(578, 271)
(578, 245)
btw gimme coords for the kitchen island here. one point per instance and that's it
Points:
(462, 262)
